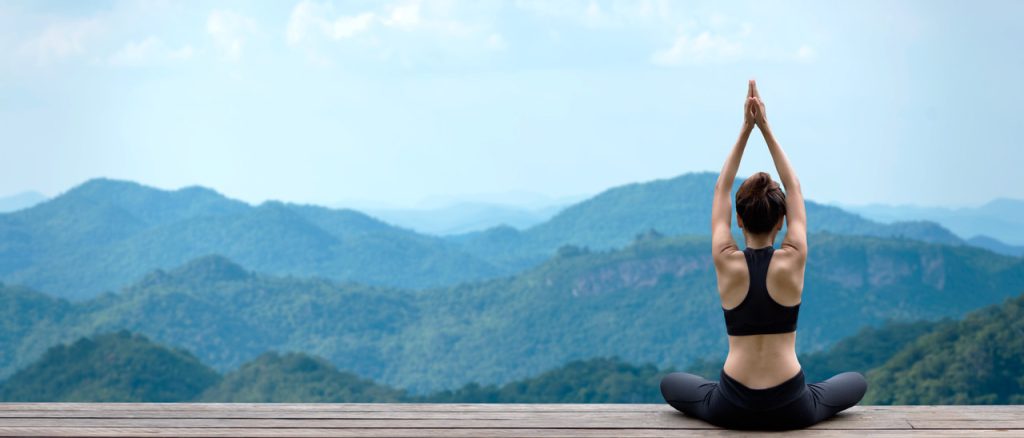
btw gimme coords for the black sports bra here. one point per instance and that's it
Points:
(758, 313)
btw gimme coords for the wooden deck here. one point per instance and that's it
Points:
(469, 420)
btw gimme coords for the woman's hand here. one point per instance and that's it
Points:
(757, 105)
(749, 107)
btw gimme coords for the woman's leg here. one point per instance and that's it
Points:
(837, 393)
(688, 393)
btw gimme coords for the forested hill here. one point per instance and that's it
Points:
(105, 234)
(977, 360)
(653, 301)
(112, 367)
(126, 367)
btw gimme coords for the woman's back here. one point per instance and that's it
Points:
(761, 314)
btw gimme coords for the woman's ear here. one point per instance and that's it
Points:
(739, 221)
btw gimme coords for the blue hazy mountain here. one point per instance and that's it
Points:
(104, 234)
(652, 301)
(996, 246)
(19, 201)
(676, 206)
(1001, 218)
(464, 217)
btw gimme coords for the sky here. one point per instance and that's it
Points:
(398, 103)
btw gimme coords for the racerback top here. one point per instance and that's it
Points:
(758, 313)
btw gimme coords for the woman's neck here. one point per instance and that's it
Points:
(760, 241)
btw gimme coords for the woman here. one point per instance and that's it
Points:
(762, 384)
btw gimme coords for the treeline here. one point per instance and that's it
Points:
(977, 360)
(128, 367)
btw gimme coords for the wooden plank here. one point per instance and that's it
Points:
(469, 420)
(1017, 423)
(224, 411)
(361, 407)
(446, 407)
(653, 422)
(633, 417)
(476, 433)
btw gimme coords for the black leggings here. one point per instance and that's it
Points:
(792, 404)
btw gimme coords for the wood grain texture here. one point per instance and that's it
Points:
(470, 420)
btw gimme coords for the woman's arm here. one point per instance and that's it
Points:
(722, 242)
(796, 213)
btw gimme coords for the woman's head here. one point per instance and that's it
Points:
(760, 204)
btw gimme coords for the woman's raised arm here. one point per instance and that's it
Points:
(722, 242)
(796, 213)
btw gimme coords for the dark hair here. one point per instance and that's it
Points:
(760, 202)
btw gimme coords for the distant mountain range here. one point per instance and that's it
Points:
(652, 301)
(20, 200)
(104, 234)
(996, 246)
(465, 217)
(676, 206)
(1000, 219)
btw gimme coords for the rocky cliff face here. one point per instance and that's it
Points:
(638, 274)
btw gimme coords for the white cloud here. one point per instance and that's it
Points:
(805, 53)
(699, 49)
(346, 27)
(434, 23)
(496, 41)
(601, 14)
(404, 16)
(150, 50)
(229, 31)
(310, 20)
(62, 40)
(183, 53)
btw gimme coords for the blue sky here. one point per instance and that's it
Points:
(398, 102)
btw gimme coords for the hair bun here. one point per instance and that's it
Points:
(760, 202)
(761, 183)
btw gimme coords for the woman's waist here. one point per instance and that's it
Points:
(763, 368)
(764, 346)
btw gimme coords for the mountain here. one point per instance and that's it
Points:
(653, 301)
(296, 378)
(996, 246)
(20, 200)
(114, 367)
(465, 217)
(676, 206)
(978, 360)
(1001, 218)
(105, 234)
